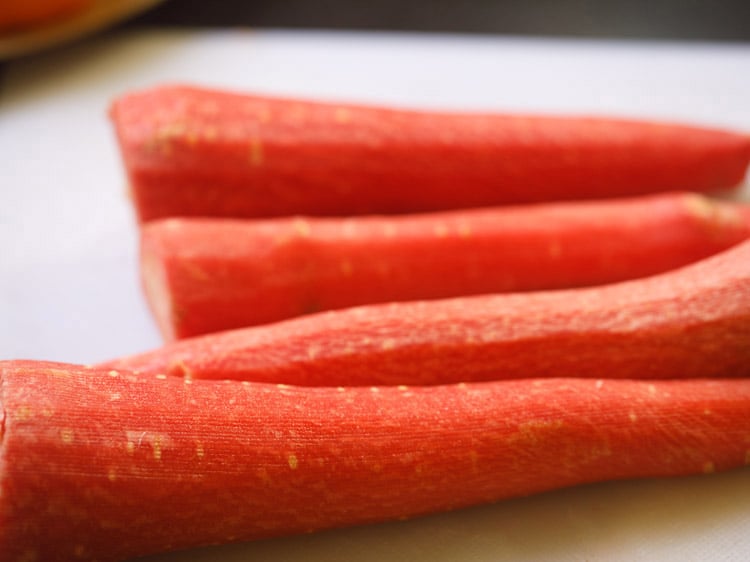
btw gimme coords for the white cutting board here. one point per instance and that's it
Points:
(68, 272)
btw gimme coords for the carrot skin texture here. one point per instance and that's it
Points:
(689, 322)
(106, 466)
(197, 152)
(209, 275)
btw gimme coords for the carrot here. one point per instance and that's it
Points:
(690, 322)
(106, 466)
(16, 14)
(197, 152)
(207, 275)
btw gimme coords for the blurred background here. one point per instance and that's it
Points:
(726, 20)
(685, 20)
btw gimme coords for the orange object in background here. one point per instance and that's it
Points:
(17, 14)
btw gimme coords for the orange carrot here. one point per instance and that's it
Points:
(689, 322)
(21, 14)
(106, 466)
(203, 275)
(197, 152)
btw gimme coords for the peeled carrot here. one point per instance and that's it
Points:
(689, 322)
(197, 152)
(106, 466)
(207, 275)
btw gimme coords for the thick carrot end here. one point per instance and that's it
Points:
(155, 285)
(745, 161)
(744, 211)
